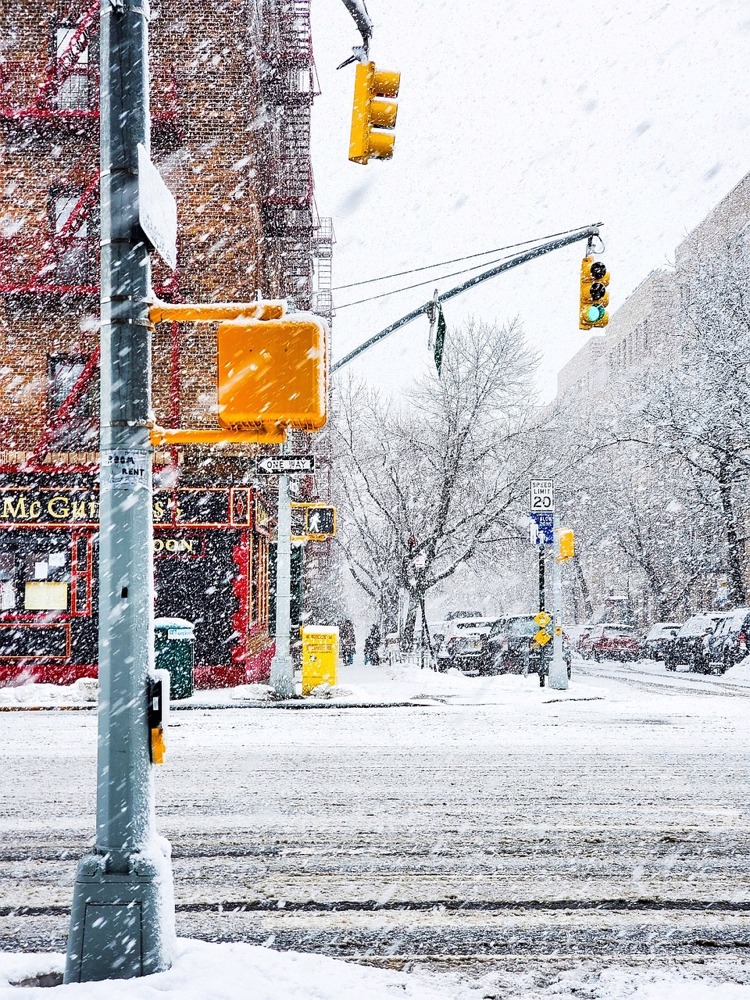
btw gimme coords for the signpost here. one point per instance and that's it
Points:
(281, 465)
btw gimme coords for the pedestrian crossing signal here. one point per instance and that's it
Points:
(313, 522)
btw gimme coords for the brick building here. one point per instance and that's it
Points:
(231, 90)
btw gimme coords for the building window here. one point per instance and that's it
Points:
(79, 428)
(74, 264)
(74, 91)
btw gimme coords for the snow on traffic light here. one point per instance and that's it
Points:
(594, 294)
(371, 115)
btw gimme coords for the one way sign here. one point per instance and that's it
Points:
(277, 465)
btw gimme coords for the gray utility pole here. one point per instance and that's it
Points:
(122, 921)
(282, 666)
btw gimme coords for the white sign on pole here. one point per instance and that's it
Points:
(157, 209)
(541, 495)
(278, 465)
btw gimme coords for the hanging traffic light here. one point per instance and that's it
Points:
(371, 114)
(594, 294)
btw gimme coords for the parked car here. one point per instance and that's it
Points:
(463, 646)
(609, 641)
(729, 643)
(654, 644)
(689, 647)
(581, 639)
(452, 615)
(510, 648)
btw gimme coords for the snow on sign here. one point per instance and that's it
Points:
(157, 209)
(541, 495)
(277, 465)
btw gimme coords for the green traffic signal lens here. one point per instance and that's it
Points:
(594, 313)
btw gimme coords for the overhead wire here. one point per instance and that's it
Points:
(428, 281)
(454, 260)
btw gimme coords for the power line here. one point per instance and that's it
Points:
(429, 281)
(444, 263)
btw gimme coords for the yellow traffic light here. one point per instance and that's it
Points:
(566, 544)
(594, 294)
(371, 113)
(272, 372)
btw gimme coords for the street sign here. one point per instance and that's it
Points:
(545, 527)
(278, 465)
(542, 618)
(542, 637)
(157, 209)
(541, 495)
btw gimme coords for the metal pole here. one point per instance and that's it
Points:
(122, 919)
(558, 671)
(541, 551)
(428, 307)
(282, 666)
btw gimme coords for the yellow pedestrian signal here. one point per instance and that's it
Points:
(566, 544)
(371, 114)
(272, 372)
(594, 294)
(316, 521)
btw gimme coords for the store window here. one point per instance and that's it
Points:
(7, 581)
(46, 579)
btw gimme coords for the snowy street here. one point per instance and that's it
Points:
(489, 818)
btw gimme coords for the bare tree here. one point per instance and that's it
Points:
(423, 485)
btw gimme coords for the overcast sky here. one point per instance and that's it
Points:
(515, 121)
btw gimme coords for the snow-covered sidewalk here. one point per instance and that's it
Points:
(204, 971)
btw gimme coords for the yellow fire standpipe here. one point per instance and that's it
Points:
(558, 670)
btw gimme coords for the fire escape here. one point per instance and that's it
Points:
(51, 257)
(288, 86)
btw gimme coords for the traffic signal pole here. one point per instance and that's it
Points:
(282, 665)
(558, 670)
(427, 308)
(122, 919)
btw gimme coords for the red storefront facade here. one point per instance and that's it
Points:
(210, 567)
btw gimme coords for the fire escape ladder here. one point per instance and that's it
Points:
(58, 418)
(62, 240)
(287, 200)
(62, 64)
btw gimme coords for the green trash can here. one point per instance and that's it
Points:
(174, 650)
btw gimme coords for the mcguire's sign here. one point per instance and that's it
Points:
(74, 506)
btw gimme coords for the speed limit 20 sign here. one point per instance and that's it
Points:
(541, 495)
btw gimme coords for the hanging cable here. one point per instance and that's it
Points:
(427, 281)
(454, 260)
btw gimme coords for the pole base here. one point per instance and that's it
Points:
(558, 675)
(122, 923)
(282, 676)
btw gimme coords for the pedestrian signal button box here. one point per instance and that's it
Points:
(320, 654)
(272, 372)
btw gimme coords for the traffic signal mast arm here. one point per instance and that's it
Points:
(426, 309)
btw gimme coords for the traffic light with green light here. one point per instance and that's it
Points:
(373, 119)
(594, 294)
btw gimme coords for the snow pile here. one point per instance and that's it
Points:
(84, 691)
(205, 971)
